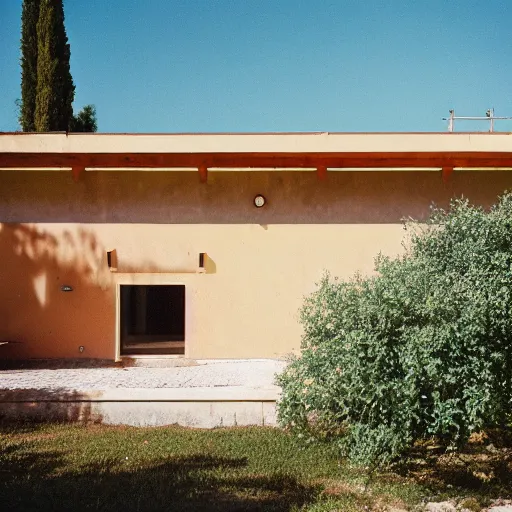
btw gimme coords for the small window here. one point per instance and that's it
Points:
(152, 319)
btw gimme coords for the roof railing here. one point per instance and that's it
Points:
(489, 116)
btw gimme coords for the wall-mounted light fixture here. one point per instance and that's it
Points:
(202, 262)
(112, 260)
(259, 201)
(66, 288)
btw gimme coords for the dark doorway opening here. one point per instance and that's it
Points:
(152, 319)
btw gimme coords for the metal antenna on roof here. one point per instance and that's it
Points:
(489, 116)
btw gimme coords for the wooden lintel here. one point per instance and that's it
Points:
(321, 172)
(446, 173)
(203, 173)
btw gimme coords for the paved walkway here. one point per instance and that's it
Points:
(203, 394)
(244, 373)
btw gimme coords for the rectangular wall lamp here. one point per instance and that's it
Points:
(223, 169)
(163, 169)
(112, 260)
(35, 169)
(482, 168)
(384, 168)
(202, 262)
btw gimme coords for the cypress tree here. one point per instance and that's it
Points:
(29, 17)
(55, 89)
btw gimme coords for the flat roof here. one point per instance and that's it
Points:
(317, 142)
(320, 151)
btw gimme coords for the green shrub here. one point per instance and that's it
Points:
(421, 349)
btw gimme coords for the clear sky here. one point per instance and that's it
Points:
(278, 65)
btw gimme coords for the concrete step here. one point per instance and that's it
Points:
(191, 407)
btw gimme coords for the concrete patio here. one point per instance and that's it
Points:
(202, 394)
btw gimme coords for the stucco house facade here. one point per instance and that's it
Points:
(203, 246)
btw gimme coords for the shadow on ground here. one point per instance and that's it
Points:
(56, 364)
(42, 481)
(483, 469)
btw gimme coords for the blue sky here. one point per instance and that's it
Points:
(278, 65)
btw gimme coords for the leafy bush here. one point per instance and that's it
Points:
(421, 349)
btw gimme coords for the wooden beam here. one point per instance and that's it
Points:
(76, 171)
(203, 173)
(321, 172)
(446, 173)
(244, 160)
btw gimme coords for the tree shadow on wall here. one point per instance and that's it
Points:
(199, 482)
(36, 312)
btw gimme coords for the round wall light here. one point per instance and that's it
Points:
(259, 201)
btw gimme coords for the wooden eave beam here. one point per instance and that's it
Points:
(76, 171)
(203, 173)
(321, 172)
(246, 160)
(446, 173)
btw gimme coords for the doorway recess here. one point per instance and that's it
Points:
(152, 319)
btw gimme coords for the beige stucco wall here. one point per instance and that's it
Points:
(262, 261)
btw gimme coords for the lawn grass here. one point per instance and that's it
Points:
(95, 467)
